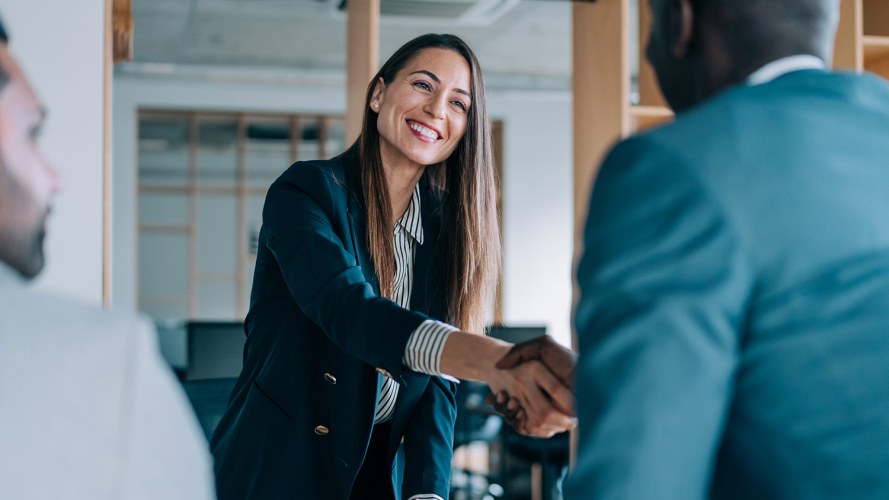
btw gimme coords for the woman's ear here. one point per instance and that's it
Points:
(682, 32)
(376, 100)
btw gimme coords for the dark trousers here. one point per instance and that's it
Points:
(374, 481)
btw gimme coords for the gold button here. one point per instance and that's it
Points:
(384, 372)
(321, 430)
(330, 378)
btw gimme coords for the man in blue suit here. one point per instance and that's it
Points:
(733, 323)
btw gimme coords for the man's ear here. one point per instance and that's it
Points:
(682, 32)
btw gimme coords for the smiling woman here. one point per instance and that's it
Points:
(428, 108)
(337, 294)
(366, 263)
(368, 267)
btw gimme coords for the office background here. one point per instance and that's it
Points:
(234, 56)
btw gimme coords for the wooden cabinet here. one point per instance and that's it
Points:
(863, 37)
(875, 37)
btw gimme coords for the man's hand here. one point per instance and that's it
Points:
(558, 359)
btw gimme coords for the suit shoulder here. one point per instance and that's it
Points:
(43, 316)
(314, 174)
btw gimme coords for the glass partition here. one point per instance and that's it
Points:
(202, 184)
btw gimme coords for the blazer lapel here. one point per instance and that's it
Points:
(424, 299)
(425, 275)
(358, 230)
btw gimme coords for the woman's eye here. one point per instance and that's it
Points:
(459, 105)
(422, 85)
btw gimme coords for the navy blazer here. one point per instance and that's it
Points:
(734, 314)
(319, 337)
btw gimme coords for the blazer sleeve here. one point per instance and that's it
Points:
(429, 441)
(324, 277)
(663, 285)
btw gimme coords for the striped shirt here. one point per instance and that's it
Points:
(424, 346)
(423, 351)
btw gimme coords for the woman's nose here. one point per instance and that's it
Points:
(435, 107)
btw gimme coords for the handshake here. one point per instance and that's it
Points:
(535, 392)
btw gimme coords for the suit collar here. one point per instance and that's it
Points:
(423, 295)
(357, 218)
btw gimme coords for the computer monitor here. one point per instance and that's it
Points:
(215, 349)
(516, 334)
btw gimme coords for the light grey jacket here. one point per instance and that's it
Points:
(87, 408)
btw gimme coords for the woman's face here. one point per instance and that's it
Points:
(423, 111)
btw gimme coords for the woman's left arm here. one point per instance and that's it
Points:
(428, 442)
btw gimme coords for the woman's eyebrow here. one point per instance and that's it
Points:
(436, 79)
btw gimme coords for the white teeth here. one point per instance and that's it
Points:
(425, 132)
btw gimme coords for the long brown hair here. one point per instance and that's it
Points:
(469, 242)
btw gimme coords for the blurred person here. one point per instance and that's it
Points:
(87, 408)
(372, 268)
(733, 320)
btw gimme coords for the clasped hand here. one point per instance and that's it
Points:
(533, 387)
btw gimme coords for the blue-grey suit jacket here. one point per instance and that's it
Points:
(318, 338)
(734, 313)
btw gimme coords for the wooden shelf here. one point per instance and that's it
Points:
(876, 54)
(875, 18)
(649, 116)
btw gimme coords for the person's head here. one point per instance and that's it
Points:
(406, 90)
(427, 106)
(701, 47)
(27, 181)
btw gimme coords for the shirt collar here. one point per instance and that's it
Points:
(783, 66)
(412, 220)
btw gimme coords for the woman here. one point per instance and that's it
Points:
(350, 321)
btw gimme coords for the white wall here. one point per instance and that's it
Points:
(538, 213)
(60, 48)
(538, 209)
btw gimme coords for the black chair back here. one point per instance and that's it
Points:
(209, 399)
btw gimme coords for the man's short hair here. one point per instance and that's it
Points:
(797, 22)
